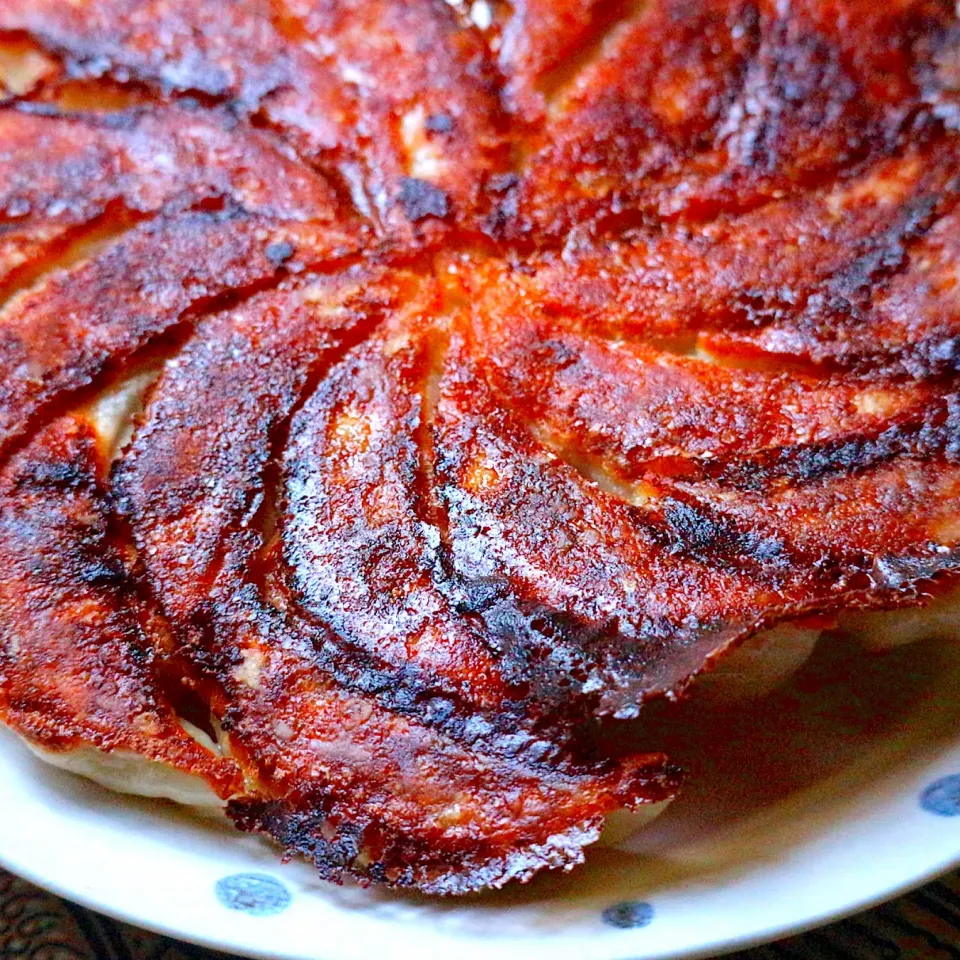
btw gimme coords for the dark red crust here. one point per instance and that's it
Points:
(82, 655)
(314, 72)
(705, 107)
(392, 794)
(514, 372)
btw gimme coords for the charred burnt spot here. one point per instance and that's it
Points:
(810, 464)
(104, 571)
(689, 529)
(695, 531)
(503, 183)
(52, 474)
(936, 435)
(333, 841)
(312, 829)
(476, 595)
(940, 56)
(504, 191)
(421, 200)
(886, 253)
(514, 728)
(38, 455)
(141, 650)
(935, 356)
(553, 354)
(547, 654)
(761, 306)
(901, 574)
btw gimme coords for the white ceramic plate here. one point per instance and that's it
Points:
(834, 793)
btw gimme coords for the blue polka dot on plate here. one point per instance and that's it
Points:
(253, 893)
(629, 915)
(942, 797)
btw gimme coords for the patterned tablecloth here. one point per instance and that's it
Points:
(37, 926)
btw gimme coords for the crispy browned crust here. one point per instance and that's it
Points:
(80, 661)
(512, 373)
(336, 79)
(705, 107)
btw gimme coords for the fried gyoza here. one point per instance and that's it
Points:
(392, 392)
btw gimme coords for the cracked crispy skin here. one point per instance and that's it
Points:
(383, 793)
(811, 278)
(359, 538)
(628, 600)
(67, 168)
(235, 408)
(406, 523)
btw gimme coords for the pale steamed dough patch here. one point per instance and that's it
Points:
(761, 664)
(125, 772)
(884, 630)
(621, 825)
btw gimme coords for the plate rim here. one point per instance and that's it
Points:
(721, 947)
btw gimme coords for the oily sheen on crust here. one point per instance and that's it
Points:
(488, 374)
